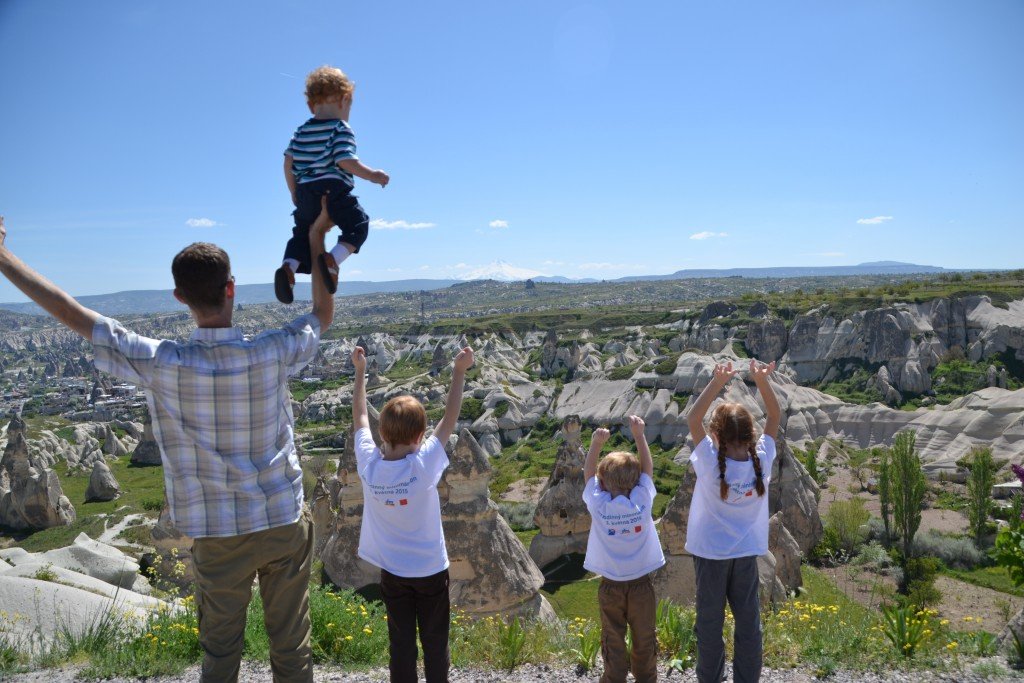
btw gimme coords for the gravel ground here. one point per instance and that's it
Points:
(260, 673)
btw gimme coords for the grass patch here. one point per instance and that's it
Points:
(995, 578)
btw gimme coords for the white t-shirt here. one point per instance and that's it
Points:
(737, 526)
(401, 530)
(623, 544)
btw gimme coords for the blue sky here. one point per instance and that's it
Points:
(585, 139)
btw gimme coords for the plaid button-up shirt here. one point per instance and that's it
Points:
(222, 415)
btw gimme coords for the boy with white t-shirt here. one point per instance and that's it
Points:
(401, 530)
(624, 549)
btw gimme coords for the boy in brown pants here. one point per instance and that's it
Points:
(624, 549)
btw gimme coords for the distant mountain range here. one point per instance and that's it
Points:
(162, 301)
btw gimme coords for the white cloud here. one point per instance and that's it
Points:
(355, 272)
(201, 223)
(877, 220)
(498, 223)
(424, 267)
(830, 254)
(707, 234)
(461, 266)
(394, 270)
(382, 224)
(553, 263)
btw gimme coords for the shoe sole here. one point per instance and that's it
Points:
(282, 287)
(329, 281)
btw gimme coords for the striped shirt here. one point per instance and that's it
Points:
(222, 417)
(317, 147)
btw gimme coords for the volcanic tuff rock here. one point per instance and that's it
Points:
(148, 451)
(340, 532)
(102, 484)
(491, 572)
(561, 515)
(30, 493)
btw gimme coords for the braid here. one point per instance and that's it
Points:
(723, 487)
(759, 484)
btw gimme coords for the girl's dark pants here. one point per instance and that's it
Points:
(734, 580)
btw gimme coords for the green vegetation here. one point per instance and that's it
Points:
(997, 578)
(979, 492)
(854, 389)
(302, 390)
(908, 487)
(472, 408)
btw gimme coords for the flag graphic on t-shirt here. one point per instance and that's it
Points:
(403, 501)
(637, 529)
(389, 503)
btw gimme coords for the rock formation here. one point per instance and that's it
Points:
(491, 572)
(147, 452)
(793, 495)
(341, 534)
(30, 493)
(102, 484)
(561, 514)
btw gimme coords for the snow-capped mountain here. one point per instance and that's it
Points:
(499, 270)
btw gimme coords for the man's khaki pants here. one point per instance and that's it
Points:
(225, 569)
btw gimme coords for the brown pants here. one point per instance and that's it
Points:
(629, 603)
(225, 569)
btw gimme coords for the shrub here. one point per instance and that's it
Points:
(920, 581)
(848, 519)
(979, 492)
(500, 409)
(956, 553)
(905, 629)
(1009, 553)
(667, 366)
(873, 555)
(472, 408)
(518, 515)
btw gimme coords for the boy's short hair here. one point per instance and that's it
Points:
(619, 471)
(201, 270)
(327, 83)
(402, 421)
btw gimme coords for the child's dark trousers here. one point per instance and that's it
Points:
(734, 580)
(629, 603)
(343, 208)
(421, 601)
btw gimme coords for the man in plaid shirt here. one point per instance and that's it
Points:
(222, 416)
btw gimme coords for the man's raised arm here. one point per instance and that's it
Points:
(47, 295)
(323, 301)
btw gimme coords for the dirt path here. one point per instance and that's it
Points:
(989, 610)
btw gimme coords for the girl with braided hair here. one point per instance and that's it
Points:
(728, 524)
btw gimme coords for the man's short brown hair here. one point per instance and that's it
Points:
(326, 84)
(201, 270)
(402, 421)
(619, 472)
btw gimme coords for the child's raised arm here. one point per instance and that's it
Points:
(597, 441)
(636, 427)
(359, 417)
(453, 406)
(695, 420)
(760, 373)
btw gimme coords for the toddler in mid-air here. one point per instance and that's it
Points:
(321, 161)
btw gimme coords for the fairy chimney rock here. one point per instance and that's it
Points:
(491, 572)
(147, 452)
(561, 515)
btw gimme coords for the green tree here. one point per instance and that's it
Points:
(858, 465)
(979, 491)
(848, 519)
(885, 494)
(908, 488)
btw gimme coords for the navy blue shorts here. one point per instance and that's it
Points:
(343, 208)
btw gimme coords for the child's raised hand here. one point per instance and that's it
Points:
(761, 371)
(464, 359)
(381, 178)
(600, 436)
(359, 359)
(723, 373)
(636, 426)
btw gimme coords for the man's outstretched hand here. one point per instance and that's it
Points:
(3, 232)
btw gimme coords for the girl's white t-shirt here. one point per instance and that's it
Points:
(623, 544)
(401, 529)
(737, 526)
